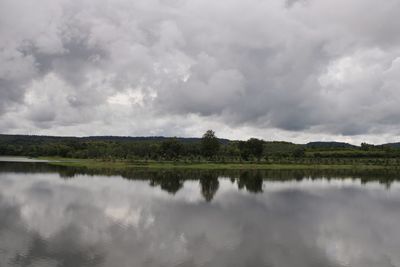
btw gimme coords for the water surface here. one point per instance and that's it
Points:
(66, 217)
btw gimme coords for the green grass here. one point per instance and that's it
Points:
(101, 164)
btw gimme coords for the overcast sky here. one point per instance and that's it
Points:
(297, 70)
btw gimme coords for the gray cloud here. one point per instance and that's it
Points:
(322, 68)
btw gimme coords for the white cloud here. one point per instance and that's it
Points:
(295, 69)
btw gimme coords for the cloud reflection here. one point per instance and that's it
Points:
(99, 221)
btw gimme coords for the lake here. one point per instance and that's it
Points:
(53, 216)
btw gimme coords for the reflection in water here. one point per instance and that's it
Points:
(252, 182)
(168, 181)
(200, 220)
(209, 185)
(172, 180)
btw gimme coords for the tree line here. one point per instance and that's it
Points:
(207, 148)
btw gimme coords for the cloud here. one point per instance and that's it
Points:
(319, 68)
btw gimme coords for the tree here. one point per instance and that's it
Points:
(171, 148)
(209, 144)
(365, 146)
(256, 147)
(244, 150)
(299, 152)
(252, 147)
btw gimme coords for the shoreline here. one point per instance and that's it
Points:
(103, 164)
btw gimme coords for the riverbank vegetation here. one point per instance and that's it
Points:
(206, 152)
(122, 164)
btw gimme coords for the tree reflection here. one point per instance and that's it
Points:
(209, 186)
(251, 181)
(172, 180)
(168, 181)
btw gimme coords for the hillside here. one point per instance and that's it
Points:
(331, 144)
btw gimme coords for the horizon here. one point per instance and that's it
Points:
(190, 137)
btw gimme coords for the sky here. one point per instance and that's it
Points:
(296, 70)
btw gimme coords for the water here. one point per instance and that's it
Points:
(69, 217)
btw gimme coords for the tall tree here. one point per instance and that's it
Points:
(171, 148)
(256, 147)
(252, 147)
(209, 144)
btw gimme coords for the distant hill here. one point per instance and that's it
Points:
(147, 138)
(280, 147)
(392, 145)
(43, 138)
(331, 144)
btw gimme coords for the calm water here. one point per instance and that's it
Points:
(67, 217)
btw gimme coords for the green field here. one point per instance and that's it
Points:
(102, 164)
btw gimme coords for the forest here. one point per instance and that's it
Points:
(208, 148)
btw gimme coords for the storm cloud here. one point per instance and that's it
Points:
(297, 70)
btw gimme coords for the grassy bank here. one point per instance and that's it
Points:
(101, 164)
